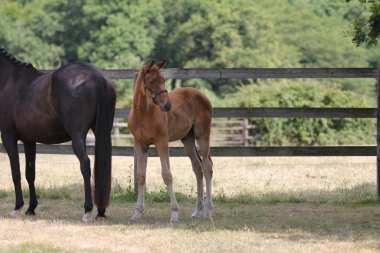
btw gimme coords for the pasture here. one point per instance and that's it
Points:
(261, 204)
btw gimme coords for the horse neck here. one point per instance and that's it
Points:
(6, 69)
(140, 100)
(12, 70)
(142, 104)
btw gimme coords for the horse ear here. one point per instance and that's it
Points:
(150, 65)
(161, 64)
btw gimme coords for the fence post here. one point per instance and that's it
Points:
(245, 132)
(378, 134)
(116, 128)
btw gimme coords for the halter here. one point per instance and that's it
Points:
(154, 94)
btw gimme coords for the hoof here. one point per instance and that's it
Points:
(16, 212)
(30, 213)
(101, 217)
(87, 217)
(136, 216)
(196, 215)
(207, 215)
(174, 217)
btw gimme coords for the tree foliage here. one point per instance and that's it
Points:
(304, 131)
(366, 28)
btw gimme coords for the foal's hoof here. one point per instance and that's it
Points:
(174, 217)
(196, 215)
(136, 216)
(207, 215)
(87, 217)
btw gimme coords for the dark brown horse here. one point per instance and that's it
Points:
(55, 108)
(158, 117)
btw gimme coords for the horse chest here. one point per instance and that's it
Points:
(147, 130)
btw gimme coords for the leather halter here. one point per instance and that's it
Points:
(154, 94)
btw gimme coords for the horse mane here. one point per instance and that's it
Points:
(5, 52)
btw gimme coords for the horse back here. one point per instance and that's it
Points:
(75, 86)
(190, 102)
(43, 107)
(190, 108)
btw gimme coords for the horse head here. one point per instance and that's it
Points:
(154, 82)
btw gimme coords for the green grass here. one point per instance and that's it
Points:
(3, 194)
(49, 193)
(30, 247)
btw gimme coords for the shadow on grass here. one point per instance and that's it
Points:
(361, 194)
(342, 213)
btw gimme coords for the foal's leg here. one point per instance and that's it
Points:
(10, 145)
(204, 145)
(142, 158)
(79, 148)
(30, 172)
(189, 143)
(163, 150)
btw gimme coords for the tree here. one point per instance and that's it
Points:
(125, 33)
(255, 34)
(304, 131)
(21, 27)
(367, 28)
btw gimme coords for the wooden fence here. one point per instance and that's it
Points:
(224, 132)
(259, 113)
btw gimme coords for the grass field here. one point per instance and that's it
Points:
(298, 204)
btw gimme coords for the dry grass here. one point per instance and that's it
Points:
(237, 226)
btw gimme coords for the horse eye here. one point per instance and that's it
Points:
(151, 82)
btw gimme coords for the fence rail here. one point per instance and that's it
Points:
(220, 151)
(251, 73)
(261, 112)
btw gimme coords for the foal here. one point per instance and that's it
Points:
(158, 117)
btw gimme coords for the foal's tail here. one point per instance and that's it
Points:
(103, 145)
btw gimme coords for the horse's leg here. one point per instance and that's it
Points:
(163, 150)
(79, 148)
(189, 144)
(10, 145)
(30, 173)
(204, 145)
(142, 158)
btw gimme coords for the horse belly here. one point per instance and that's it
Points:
(177, 129)
(47, 132)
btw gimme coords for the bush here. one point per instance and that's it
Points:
(304, 131)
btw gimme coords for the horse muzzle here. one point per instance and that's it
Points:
(165, 106)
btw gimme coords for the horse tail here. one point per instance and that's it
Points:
(103, 145)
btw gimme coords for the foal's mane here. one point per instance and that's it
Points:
(5, 52)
